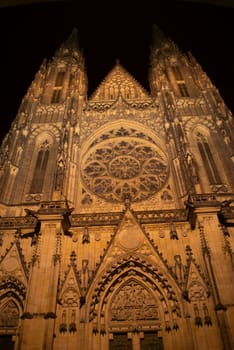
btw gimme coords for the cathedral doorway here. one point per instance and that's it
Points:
(120, 341)
(134, 308)
(151, 341)
(6, 342)
(9, 319)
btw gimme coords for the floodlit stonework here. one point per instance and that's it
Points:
(117, 210)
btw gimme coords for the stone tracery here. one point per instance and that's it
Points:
(9, 314)
(123, 164)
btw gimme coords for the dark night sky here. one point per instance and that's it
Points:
(109, 30)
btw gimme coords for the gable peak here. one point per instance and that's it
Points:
(119, 83)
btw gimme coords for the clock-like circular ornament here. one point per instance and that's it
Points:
(124, 167)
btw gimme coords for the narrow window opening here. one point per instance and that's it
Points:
(120, 341)
(177, 73)
(208, 160)
(183, 89)
(40, 170)
(59, 79)
(56, 96)
(180, 81)
(71, 79)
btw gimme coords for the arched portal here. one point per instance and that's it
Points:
(9, 321)
(12, 296)
(132, 305)
(134, 308)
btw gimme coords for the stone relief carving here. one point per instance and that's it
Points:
(70, 297)
(9, 314)
(87, 199)
(179, 269)
(197, 291)
(133, 303)
(95, 120)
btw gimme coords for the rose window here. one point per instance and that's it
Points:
(120, 168)
(124, 167)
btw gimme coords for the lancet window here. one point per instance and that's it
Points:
(177, 73)
(180, 81)
(58, 87)
(208, 160)
(183, 89)
(40, 168)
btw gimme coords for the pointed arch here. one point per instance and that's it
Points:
(11, 287)
(150, 284)
(40, 167)
(133, 300)
(9, 313)
(207, 157)
(12, 296)
(43, 161)
(11, 307)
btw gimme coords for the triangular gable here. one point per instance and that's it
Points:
(195, 284)
(130, 239)
(119, 83)
(131, 261)
(13, 264)
(70, 291)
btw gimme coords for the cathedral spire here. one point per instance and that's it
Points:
(72, 41)
(157, 36)
(70, 47)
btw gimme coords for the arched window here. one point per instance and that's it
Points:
(208, 160)
(56, 96)
(40, 168)
(9, 319)
(180, 81)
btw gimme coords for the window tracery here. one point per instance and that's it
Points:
(56, 96)
(40, 168)
(124, 163)
(208, 160)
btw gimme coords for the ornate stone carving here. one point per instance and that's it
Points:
(18, 222)
(86, 236)
(114, 169)
(70, 297)
(120, 341)
(179, 269)
(9, 314)
(166, 196)
(69, 293)
(96, 218)
(133, 271)
(87, 199)
(133, 303)
(197, 286)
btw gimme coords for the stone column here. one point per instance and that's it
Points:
(40, 307)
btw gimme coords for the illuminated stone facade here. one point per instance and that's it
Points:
(117, 214)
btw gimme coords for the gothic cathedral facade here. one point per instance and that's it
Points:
(117, 210)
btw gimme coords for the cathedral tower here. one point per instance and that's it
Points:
(116, 226)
